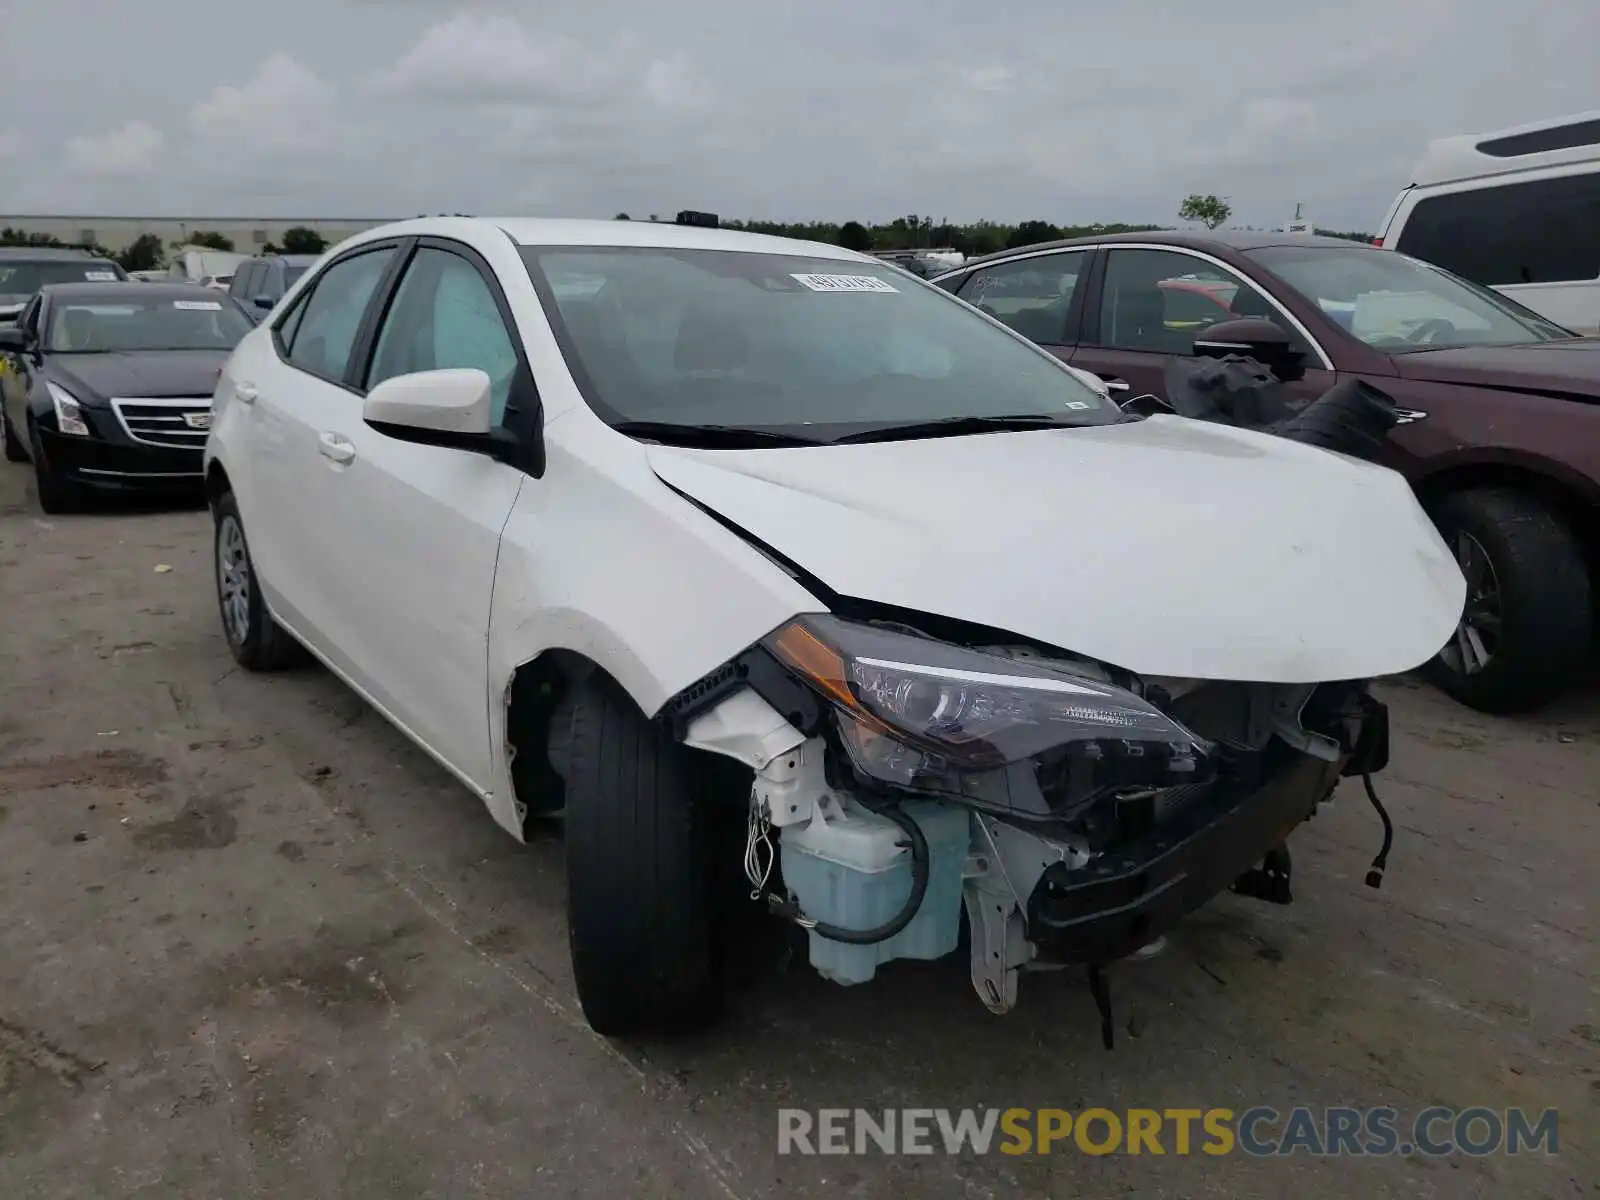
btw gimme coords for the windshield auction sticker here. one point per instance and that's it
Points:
(844, 283)
(198, 305)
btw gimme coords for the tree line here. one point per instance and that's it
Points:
(147, 252)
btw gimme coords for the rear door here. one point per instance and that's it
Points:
(1038, 295)
(1148, 304)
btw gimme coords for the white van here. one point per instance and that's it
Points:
(1517, 209)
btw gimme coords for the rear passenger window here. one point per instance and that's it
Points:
(1544, 231)
(1032, 295)
(322, 333)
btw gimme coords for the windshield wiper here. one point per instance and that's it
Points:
(711, 437)
(955, 427)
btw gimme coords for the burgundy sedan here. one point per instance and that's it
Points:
(1502, 438)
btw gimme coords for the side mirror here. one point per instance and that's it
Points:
(449, 408)
(13, 341)
(1253, 337)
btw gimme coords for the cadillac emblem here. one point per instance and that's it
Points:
(197, 420)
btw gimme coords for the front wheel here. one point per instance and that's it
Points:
(258, 642)
(57, 494)
(1527, 631)
(640, 883)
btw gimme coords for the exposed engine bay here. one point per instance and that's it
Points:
(1073, 813)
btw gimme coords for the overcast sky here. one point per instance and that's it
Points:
(780, 109)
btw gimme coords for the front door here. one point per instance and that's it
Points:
(1151, 305)
(416, 529)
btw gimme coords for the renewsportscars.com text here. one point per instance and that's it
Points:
(1259, 1131)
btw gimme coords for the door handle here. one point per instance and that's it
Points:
(331, 445)
(1113, 384)
(245, 393)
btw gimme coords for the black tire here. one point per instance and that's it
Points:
(640, 883)
(15, 451)
(1545, 600)
(57, 494)
(257, 641)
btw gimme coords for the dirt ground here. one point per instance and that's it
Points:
(253, 944)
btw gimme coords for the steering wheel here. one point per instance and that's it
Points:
(1428, 332)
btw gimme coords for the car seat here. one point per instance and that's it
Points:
(1138, 320)
(77, 326)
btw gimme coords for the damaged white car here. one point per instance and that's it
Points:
(758, 558)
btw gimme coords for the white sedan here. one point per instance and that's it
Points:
(761, 559)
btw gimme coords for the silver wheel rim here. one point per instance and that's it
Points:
(233, 580)
(1478, 633)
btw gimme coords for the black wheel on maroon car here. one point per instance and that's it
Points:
(1527, 631)
(640, 884)
(257, 641)
(15, 451)
(57, 494)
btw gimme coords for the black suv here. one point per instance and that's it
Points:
(26, 269)
(260, 282)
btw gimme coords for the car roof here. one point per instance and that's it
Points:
(47, 254)
(120, 289)
(555, 231)
(1226, 239)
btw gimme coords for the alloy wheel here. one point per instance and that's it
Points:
(1477, 635)
(233, 580)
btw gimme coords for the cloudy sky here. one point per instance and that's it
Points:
(782, 109)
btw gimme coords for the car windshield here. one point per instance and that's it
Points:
(103, 326)
(814, 348)
(26, 278)
(1397, 303)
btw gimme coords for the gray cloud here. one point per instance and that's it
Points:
(785, 109)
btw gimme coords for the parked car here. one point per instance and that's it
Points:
(25, 269)
(259, 283)
(1502, 443)
(109, 386)
(773, 568)
(1518, 209)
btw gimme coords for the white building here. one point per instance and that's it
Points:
(248, 234)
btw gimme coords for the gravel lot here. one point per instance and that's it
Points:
(254, 944)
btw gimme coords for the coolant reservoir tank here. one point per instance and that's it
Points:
(849, 870)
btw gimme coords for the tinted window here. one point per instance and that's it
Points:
(100, 326)
(326, 330)
(444, 315)
(812, 347)
(1562, 137)
(1031, 295)
(1394, 302)
(1158, 300)
(23, 279)
(244, 282)
(1545, 231)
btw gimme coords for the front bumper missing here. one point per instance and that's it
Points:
(1121, 900)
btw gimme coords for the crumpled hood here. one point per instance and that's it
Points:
(1166, 546)
(1572, 367)
(93, 378)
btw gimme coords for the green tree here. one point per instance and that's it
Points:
(1208, 210)
(211, 241)
(622, 217)
(853, 235)
(144, 253)
(300, 240)
(1031, 233)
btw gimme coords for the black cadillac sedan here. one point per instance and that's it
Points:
(108, 387)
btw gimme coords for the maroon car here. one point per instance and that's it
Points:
(1501, 438)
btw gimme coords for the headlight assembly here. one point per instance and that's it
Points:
(69, 415)
(929, 716)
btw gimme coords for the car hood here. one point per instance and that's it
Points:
(169, 373)
(1571, 367)
(1166, 546)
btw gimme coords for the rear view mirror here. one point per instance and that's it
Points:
(449, 408)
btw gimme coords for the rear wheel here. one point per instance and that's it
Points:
(1527, 630)
(640, 887)
(258, 642)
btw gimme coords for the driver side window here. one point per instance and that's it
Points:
(444, 315)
